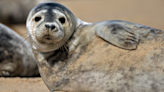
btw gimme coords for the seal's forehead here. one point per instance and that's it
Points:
(49, 6)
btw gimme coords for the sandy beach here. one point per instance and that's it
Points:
(146, 12)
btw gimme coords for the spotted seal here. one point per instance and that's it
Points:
(16, 58)
(73, 55)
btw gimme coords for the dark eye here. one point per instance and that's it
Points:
(62, 20)
(37, 18)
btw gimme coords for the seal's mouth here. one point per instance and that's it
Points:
(48, 39)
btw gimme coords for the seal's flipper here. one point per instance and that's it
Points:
(117, 34)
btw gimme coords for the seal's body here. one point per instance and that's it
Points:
(74, 55)
(16, 57)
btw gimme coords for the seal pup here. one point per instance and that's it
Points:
(73, 55)
(16, 58)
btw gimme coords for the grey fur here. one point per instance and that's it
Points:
(117, 34)
(16, 58)
(88, 63)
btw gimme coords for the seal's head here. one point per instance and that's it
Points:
(49, 26)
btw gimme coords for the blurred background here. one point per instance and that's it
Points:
(13, 13)
(147, 12)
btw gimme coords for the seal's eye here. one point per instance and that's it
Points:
(37, 18)
(62, 20)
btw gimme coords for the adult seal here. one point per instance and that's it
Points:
(16, 58)
(73, 55)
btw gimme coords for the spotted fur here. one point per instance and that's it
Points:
(90, 59)
(16, 58)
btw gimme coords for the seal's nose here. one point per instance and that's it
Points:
(51, 27)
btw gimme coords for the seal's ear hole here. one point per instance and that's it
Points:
(62, 20)
(37, 18)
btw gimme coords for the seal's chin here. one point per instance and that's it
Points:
(42, 47)
(49, 38)
(47, 44)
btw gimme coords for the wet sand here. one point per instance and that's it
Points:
(146, 12)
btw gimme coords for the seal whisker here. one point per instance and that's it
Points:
(62, 49)
(25, 42)
(65, 47)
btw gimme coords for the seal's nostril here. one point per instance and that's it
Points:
(52, 27)
(47, 26)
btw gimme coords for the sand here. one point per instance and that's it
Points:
(146, 12)
(22, 85)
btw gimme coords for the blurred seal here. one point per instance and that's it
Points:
(16, 11)
(74, 55)
(16, 58)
